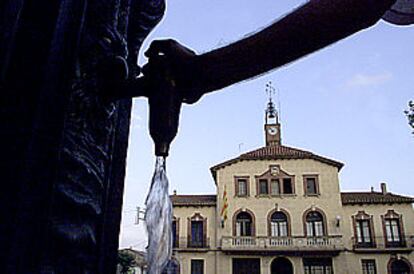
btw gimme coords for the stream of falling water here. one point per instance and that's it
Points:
(158, 219)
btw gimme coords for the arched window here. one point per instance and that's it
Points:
(315, 226)
(279, 224)
(244, 224)
(401, 266)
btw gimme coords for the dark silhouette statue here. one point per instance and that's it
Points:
(63, 142)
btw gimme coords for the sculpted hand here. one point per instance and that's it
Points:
(176, 63)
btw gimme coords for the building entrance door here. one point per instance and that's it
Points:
(281, 266)
(246, 266)
(400, 267)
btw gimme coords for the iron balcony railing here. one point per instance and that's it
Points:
(382, 243)
(292, 243)
(185, 242)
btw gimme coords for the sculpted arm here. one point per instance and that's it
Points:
(311, 27)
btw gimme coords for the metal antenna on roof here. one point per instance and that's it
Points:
(240, 147)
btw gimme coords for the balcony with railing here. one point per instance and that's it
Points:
(381, 244)
(282, 244)
(188, 243)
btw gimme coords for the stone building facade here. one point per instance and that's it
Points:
(279, 209)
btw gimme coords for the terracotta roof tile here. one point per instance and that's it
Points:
(270, 151)
(352, 198)
(276, 153)
(193, 200)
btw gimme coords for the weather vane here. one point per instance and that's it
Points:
(270, 90)
(270, 110)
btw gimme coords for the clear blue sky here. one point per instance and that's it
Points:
(345, 102)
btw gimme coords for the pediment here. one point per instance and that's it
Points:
(274, 171)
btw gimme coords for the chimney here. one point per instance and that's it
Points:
(372, 189)
(384, 188)
(175, 192)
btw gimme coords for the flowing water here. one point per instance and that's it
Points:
(158, 219)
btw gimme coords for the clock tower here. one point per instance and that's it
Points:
(272, 125)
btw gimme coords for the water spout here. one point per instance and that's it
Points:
(158, 220)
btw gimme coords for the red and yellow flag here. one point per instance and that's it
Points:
(224, 208)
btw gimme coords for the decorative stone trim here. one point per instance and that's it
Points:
(236, 185)
(324, 220)
(197, 217)
(251, 215)
(269, 219)
(393, 215)
(362, 215)
(316, 177)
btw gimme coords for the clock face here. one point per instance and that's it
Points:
(272, 130)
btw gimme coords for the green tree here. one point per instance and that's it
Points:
(410, 114)
(126, 261)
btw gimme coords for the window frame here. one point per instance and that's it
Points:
(253, 224)
(269, 222)
(317, 262)
(391, 215)
(197, 217)
(273, 180)
(365, 262)
(324, 223)
(291, 186)
(364, 236)
(269, 177)
(244, 226)
(363, 216)
(305, 184)
(236, 186)
(260, 181)
(203, 265)
(176, 235)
